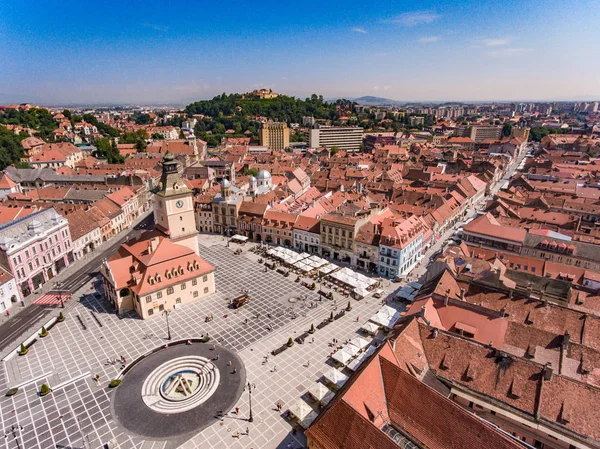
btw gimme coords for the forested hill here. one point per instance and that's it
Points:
(282, 108)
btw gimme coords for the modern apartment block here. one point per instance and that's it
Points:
(346, 138)
(275, 135)
(479, 133)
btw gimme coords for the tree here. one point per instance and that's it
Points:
(290, 342)
(334, 150)
(142, 119)
(251, 172)
(44, 390)
(67, 114)
(11, 150)
(506, 130)
(157, 136)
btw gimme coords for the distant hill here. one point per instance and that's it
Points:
(375, 101)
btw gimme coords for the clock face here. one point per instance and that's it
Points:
(179, 203)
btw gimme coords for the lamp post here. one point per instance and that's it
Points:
(59, 287)
(166, 314)
(14, 429)
(250, 388)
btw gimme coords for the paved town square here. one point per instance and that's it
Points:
(92, 343)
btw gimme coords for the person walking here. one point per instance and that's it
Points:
(247, 431)
(237, 410)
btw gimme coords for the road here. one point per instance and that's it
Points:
(72, 279)
(420, 270)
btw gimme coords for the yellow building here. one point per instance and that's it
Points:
(275, 135)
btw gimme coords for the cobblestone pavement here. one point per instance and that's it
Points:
(78, 414)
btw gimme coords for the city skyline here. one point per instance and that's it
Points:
(153, 53)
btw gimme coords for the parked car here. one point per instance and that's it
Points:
(378, 293)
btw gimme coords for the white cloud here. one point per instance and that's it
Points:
(156, 27)
(409, 19)
(495, 42)
(510, 51)
(359, 30)
(429, 39)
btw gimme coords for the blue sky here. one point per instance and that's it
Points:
(158, 51)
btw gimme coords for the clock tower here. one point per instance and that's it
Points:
(174, 206)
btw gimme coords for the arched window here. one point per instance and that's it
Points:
(124, 292)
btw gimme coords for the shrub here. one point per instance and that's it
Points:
(44, 390)
(23, 350)
(274, 266)
(12, 392)
(331, 317)
(349, 307)
(312, 329)
(44, 332)
(114, 383)
(61, 317)
(313, 286)
(290, 342)
(205, 339)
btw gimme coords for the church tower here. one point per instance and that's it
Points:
(174, 206)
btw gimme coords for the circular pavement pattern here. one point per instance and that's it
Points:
(178, 390)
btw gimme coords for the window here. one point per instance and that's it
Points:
(30, 266)
(180, 218)
(150, 311)
(14, 261)
(178, 301)
(205, 289)
(204, 278)
(158, 295)
(195, 294)
(183, 286)
(27, 254)
(148, 299)
(19, 259)
(170, 291)
(194, 281)
(182, 229)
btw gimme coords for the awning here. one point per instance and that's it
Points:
(318, 391)
(369, 327)
(342, 356)
(240, 238)
(336, 377)
(301, 410)
(359, 342)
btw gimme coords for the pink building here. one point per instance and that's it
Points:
(35, 248)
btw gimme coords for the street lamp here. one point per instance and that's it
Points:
(14, 429)
(59, 287)
(166, 314)
(250, 388)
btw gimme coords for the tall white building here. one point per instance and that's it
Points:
(346, 138)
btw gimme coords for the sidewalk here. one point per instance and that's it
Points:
(107, 247)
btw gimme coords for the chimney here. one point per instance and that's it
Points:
(435, 332)
(153, 244)
(462, 294)
(510, 293)
(446, 297)
(548, 371)
(423, 311)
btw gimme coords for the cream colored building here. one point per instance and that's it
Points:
(153, 275)
(174, 206)
(275, 135)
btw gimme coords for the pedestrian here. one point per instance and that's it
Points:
(237, 434)
(237, 410)
(248, 431)
(229, 363)
(308, 363)
(274, 368)
(357, 318)
(234, 370)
